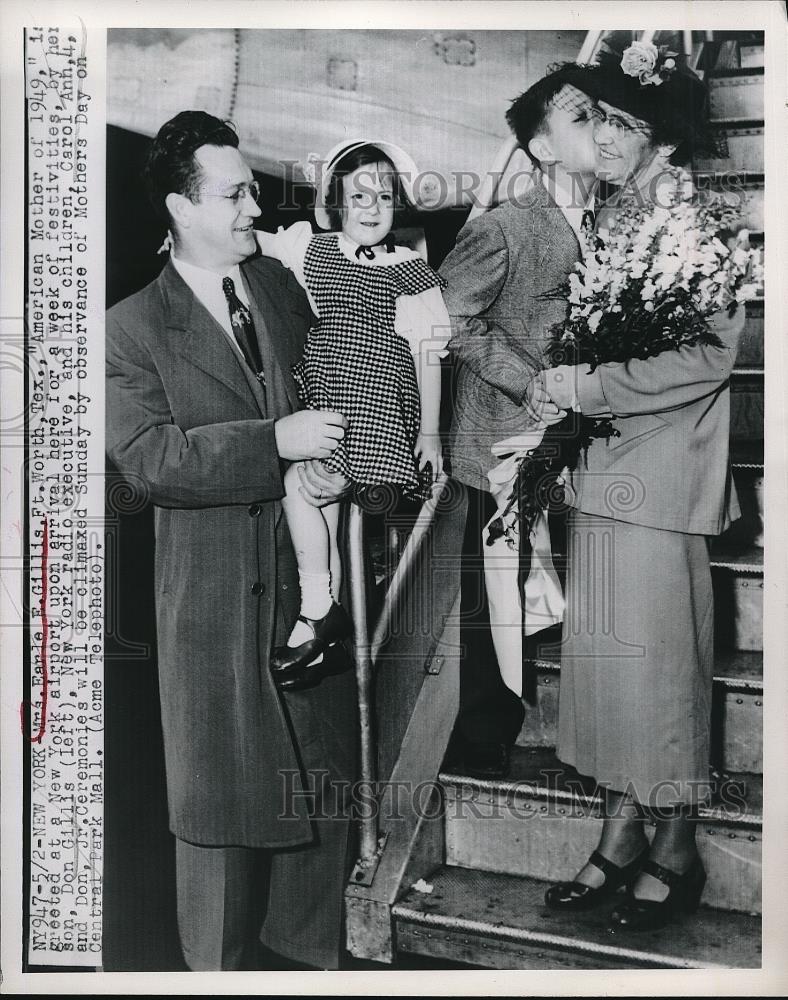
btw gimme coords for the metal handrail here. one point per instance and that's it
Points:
(358, 605)
(365, 654)
(394, 591)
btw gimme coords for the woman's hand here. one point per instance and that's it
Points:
(428, 449)
(540, 405)
(561, 384)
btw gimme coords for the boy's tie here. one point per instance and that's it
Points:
(588, 220)
(243, 330)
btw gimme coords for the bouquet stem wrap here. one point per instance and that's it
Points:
(517, 608)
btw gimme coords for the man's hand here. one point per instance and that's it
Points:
(309, 434)
(539, 404)
(319, 486)
(429, 450)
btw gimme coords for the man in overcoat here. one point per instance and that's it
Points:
(202, 416)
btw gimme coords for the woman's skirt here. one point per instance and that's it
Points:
(637, 660)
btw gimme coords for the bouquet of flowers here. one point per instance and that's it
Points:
(650, 283)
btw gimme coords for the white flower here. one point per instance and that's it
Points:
(748, 291)
(639, 59)
(740, 257)
(647, 291)
(594, 320)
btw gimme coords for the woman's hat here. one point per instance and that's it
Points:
(319, 171)
(654, 84)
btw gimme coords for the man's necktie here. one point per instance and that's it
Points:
(243, 330)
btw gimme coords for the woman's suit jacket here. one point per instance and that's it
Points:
(189, 426)
(669, 468)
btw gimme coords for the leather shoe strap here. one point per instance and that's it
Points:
(605, 865)
(670, 878)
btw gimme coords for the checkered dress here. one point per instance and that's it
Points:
(356, 363)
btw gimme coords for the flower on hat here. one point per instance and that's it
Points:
(639, 58)
(651, 65)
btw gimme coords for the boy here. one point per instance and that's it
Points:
(498, 273)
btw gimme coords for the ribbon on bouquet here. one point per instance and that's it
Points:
(544, 599)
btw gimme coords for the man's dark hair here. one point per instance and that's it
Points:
(363, 156)
(171, 165)
(527, 115)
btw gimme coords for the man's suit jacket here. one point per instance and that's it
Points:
(500, 276)
(669, 468)
(188, 424)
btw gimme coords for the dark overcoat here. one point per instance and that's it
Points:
(189, 425)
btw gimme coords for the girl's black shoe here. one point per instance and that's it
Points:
(648, 914)
(334, 626)
(577, 896)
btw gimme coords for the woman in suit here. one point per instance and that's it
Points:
(637, 653)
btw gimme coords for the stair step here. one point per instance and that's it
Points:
(727, 556)
(544, 819)
(746, 455)
(734, 670)
(736, 95)
(747, 405)
(751, 342)
(737, 709)
(744, 142)
(737, 577)
(500, 921)
(750, 489)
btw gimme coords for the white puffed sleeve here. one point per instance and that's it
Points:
(424, 322)
(289, 247)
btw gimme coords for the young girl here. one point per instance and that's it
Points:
(372, 356)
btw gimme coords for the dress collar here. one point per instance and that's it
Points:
(382, 256)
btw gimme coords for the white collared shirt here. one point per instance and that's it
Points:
(571, 212)
(207, 288)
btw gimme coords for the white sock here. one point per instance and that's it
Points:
(315, 594)
(316, 600)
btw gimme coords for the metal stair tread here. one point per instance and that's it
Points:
(537, 773)
(727, 555)
(746, 454)
(745, 178)
(738, 122)
(489, 908)
(736, 670)
(734, 71)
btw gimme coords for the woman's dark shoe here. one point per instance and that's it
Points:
(649, 914)
(334, 626)
(577, 896)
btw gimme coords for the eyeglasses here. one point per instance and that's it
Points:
(239, 194)
(618, 125)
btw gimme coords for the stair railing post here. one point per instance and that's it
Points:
(358, 604)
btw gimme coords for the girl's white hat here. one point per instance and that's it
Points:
(318, 171)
